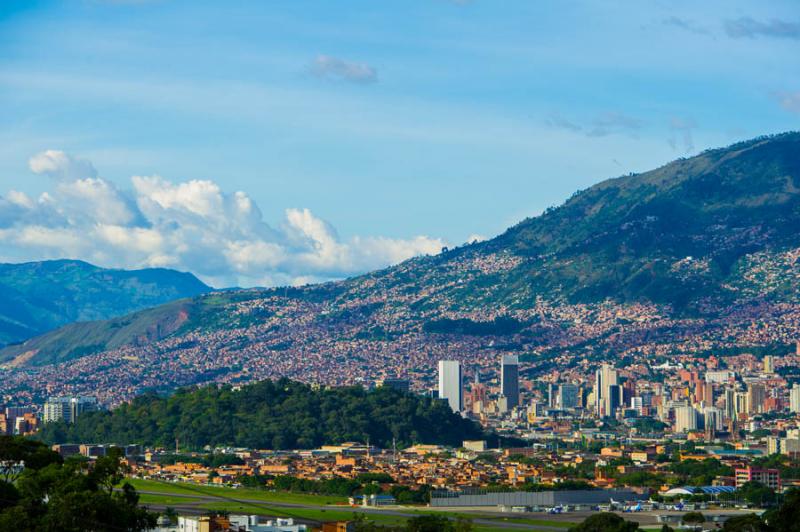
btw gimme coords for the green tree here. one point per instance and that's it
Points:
(605, 522)
(747, 523)
(757, 494)
(787, 517)
(67, 496)
(279, 415)
(693, 518)
(438, 523)
(8, 495)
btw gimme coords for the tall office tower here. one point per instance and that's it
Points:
(637, 403)
(685, 419)
(568, 396)
(730, 403)
(450, 385)
(604, 378)
(756, 394)
(509, 380)
(708, 393)
(713, 417)
(769, 364)
(704, 392)
(742, 403)
(68, 408)
(613, 399)
(794, 398)
(551, 395)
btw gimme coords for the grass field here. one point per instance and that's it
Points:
(238, 493)
(165, 499)
(174, 493)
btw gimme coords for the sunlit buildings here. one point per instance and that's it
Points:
(67, 409)
(450, 384)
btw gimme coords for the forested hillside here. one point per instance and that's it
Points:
(271, 415)
(36, 297)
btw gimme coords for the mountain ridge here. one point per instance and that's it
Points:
(682, 257)
(36, 297)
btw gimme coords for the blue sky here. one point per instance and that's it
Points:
(402, 125)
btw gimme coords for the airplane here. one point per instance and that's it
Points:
(633, 508)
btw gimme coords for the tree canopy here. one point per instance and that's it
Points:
(271, 415)
(70, 496)
(605, 522)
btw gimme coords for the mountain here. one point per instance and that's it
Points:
(37, 297)
(682, 259)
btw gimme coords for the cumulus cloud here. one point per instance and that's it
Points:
(329, 67)
(59, 165)
(192, 225)
(749, 28)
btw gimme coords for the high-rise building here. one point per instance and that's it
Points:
(730, 403)
(712, 417)
(450, 385)
(613, 399)
(509, 380)
(756, 394)
(604, 378)
(552, 398)
(685, 419)
(637, 403)
(794, 398)
(769, 364)
(568, 396)
(67, 409)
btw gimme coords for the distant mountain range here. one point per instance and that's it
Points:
(683, 258)
(37, 297)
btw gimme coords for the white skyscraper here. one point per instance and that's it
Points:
(67, 408)
(712, 417)
(685, 419)
(450, 384)
(794, 399)
(604, 395)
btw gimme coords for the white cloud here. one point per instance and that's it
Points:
(193, 225)
(59, 165)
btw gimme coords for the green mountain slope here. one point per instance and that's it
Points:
(37, 297)
(624, 238)
(698, 237)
